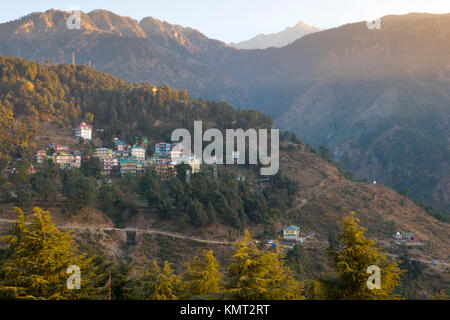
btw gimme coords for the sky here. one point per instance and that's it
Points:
(237, 20)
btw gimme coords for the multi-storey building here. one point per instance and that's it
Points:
(84, 131)
(165, 170)
(162, 149)
(40, 156)
(138, 153)
(60, 148)
(103, 153)
(67, 160)
(108, 164)
(128, 166)
(120, 145)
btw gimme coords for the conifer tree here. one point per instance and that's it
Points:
(355, 253)
(36, 262)
(158, 283)
(203, 276)
(255, 274)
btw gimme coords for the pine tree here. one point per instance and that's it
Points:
(355, 253)
(155, 283)
(36, 262)
(203, 276)
(255, 274)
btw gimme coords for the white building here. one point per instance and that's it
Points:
(84, 131)
(138, 153)
(292, 233)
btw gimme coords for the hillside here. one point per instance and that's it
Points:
(309, 191)
(147, 51)
(379, 99)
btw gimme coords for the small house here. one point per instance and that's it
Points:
(291, 233)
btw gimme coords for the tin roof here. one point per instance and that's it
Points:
(291, 227)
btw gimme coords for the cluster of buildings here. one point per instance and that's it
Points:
(122, 158)
(127, 159)
(133, 159)
(61, 155)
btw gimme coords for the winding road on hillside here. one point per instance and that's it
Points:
(147, 231)
(184, 237)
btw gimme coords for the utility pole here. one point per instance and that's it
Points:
(73, 58)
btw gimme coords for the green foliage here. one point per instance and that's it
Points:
(203, 276)
(80, 191)
(157, 283)
(44, 182)
(255, 274)
(37, 259)
(353, 256)
(92, 167)
(66, 95)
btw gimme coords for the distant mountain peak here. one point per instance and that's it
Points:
(280, 39)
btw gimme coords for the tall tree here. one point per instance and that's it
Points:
(352, 258)
(166, 284)
(255, 274)
(203, 275)
(36, 263)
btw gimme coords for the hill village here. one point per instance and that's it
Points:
(125, 160)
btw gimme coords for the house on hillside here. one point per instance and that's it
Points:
(138, 153)
(60, 148)
(67, 160)
(84, 131)
(162, 149)
(40, 156)
(102, 153)
(128, 167)
(406, 236)
(108, 164)
(165, 170)
(292, 233)
(120, 145)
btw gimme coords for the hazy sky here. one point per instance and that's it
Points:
(236, 20)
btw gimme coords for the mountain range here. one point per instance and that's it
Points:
(279, 39)
(379, 99)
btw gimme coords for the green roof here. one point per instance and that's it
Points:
(291, 227)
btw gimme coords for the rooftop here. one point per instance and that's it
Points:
(291, 228)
